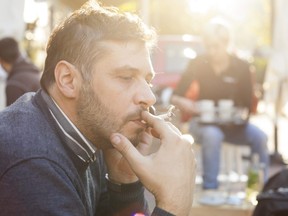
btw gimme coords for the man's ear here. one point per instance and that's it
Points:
(67, 78)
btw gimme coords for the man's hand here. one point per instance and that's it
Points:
(119, 169)
(169, 173)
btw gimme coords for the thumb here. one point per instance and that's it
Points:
(126, 148)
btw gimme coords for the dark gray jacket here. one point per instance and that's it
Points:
(40, 175)
(23, 77)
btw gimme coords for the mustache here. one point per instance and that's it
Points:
(135, 115)
(168, 115)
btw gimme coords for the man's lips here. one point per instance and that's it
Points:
(140, 122)
(145, 125)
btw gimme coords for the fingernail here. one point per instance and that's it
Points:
(115, 139)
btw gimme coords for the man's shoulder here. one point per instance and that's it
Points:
(25, 133)
(24, 74)
(198, 65)
(23, 67)
(27, 79)
(23, 125)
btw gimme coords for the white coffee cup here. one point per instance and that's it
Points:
(206, 110)
(225, 109)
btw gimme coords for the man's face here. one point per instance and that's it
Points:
(118, 92)
(216, 48)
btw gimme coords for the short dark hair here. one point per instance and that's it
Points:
(78, 38)
(9, 50)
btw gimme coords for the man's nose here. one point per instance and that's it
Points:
(145, 96)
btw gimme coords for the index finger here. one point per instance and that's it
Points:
(158, 124)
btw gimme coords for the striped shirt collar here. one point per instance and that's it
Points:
(75, 140)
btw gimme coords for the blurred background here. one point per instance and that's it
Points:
(260, 35)
(31, 21)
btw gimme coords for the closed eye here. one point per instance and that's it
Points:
(126, 78)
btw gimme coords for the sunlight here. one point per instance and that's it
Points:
(200, 6)
(29, 11)
(285, 109)
(237, 9)
(189, 53)
(36, 11)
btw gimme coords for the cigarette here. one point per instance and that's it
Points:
(166, 116)
(169, 114)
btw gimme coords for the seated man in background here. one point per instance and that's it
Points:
(219, 75)
(23, 76)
